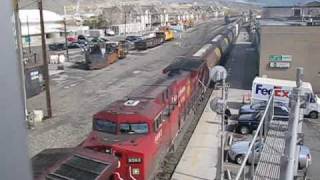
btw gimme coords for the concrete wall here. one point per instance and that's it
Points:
(276, 12)
(302, 43)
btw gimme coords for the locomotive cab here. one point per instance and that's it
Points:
(126, 131)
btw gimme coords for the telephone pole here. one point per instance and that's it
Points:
(45, 62)
(66, 38)
(223, 93)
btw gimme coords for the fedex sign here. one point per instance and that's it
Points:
(263, 91)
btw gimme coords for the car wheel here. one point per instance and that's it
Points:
(313, 115)
(244, 130)
(239, 159)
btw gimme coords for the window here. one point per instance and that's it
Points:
(312, 99)
(130, 128)
(257, 116)
(166, 113)
(105, 126)
(280, 111)
(259, 106)
(157, 123)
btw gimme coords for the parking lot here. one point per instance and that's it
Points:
(242, 66)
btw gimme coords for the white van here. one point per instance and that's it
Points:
(262, 88)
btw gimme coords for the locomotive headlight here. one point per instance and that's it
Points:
(108, 151)
(135, 171)
(134, 160)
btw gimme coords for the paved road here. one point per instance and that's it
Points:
(78, 94)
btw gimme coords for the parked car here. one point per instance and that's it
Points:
(74, 45)
(239, 149)
(97, 40)
(281, 111)
(253, 108)
(248, 122)
(109, 32)
(57, 46)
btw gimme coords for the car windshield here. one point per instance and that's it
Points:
(130, 128)
(257, 116)
(105, 126)
(258, 105)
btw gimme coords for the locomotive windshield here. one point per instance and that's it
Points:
(130, 128)
(105, 126)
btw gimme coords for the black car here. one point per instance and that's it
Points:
(253, 108)
(74, 45)
(250, 121)
(57, 46)
(281, 111)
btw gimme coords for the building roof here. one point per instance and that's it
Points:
(33, 16)
(280, 22)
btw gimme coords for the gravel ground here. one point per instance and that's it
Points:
(78, 94)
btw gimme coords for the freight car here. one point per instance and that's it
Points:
(150, 42)
(224, 40)
(210, 54)
(73, 163)
(140, 127)
(98, 58)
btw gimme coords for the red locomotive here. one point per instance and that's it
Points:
(139, 128)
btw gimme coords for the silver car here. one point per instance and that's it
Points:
(239, 149)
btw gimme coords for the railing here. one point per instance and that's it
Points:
(261, 131)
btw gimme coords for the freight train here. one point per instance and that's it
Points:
(138, 129)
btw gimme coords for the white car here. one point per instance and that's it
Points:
(109, 32)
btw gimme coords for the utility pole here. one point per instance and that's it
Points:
(125, 23)
(66, 37)
(223, 93)
(29, 38)
(45, 61)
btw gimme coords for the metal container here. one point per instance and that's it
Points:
(33, 79)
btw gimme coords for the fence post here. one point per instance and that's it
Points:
(288, 163)
(252, 161)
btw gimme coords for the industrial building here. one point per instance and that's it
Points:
(292, 12)
(286, 45)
